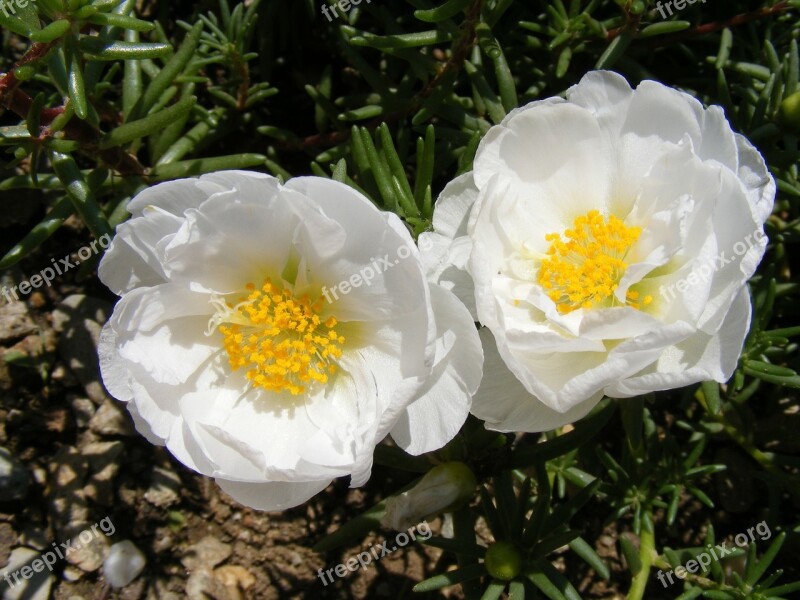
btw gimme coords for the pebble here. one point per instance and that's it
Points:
(164, 489)
(104, 463)
(68, 506)
(123, 564)
(111, 419)
(79, 319)
(83, 410)
(15, 322)
(235, 579)
(34, 537)
(90, 556)
(36, 587)
(207, 553)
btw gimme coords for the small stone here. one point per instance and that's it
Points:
(13, 477)
(69, 468)
(83, 410)
(34, 537)
(158, 591)
(8, 538)
(123, 564)
(135, 590)
(37, 299)
(37, 587)
(57, 420)
(5, 377)
(202, 585)
(100, 454)
(67, 477)
(235, 578)
(79, 319)
(89, 556)
(72, 574)
(104, 464)
(163, 542)
(15, 322)
(207, 553)
(34, 347)
(111, 419)
(164, 489)
(39, 475)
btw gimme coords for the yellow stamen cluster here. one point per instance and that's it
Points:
(280, 340)
(584, 268)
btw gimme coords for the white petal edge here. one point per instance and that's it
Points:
(437, 415)
(506, 406)
(272, 495)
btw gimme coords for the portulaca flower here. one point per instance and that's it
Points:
(605, 241)
(271, 335)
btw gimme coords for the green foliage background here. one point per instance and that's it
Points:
(102, 98)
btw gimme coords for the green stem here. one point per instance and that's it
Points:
(647, 553)
(765, 459)
(699, 580)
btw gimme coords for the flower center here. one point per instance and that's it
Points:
(279, 339)
(584, 267)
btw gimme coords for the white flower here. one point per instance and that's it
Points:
(605, 240)
(237, 345)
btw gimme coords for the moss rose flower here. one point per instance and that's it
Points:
(271, 335)
(605, 240)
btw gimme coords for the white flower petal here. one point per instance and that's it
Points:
(454, 205)
(679, 114)
(538, 152)
(132, 260)
(274, 495)
(504, 403)
(170, 353)
(698, 358)
(445, 251)
(759, 183)
(116, 377)
(436, 416)
(143, 427)
(607, 95)
(174, 197)
(233, 241)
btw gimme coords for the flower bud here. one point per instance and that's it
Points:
(443, 489)
(790, 111)
(637, 8)
(503, 561)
